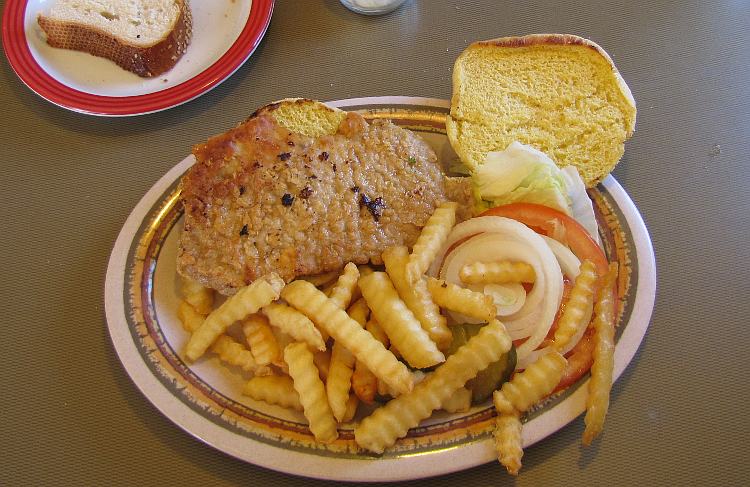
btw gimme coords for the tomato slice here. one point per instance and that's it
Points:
(579, 361)
(549, 221)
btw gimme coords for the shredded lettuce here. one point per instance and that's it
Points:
(522, 173)
(582, 209)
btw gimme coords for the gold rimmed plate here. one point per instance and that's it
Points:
(204, 398)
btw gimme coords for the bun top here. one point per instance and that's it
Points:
(559, 93)
(303, 116)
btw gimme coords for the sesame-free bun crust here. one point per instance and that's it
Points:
(559, 93)
(304, 116)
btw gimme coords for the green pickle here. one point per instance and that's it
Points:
(490, 379)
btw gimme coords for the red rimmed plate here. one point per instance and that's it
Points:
(87, 84)
(204, 397)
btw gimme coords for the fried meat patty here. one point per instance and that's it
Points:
(260, 198)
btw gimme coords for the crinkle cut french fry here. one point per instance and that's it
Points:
(364, 383)
(312, 392)
(191, 320)
(416, 297)
(458, 402)
(508, 441)
(260, 339)
(246, 301)
(600, 383)
(359, 311)
(528, 387)
(319, 280)
(377, 331)
(430, 240)
(418, 375)
(339, 380)
(228, 350)
(577, 313)
(200, 297)
(322, 360)
(281, 338)
(274, 389)
(364, 270)
(324, 313)
(399, 323)
(233, 352)
(328, 288)
(295, 324)
(346, 285)
(383, 390)
(351, 408)
(500, 272)
(384, 426)
(362, 380)
(462, 300)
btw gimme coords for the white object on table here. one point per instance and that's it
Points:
(372, 7)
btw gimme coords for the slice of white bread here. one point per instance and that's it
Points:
(146, 37)
(559, 93)
(304, 116)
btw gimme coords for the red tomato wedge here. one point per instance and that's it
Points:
(551, 222)
(548, 221)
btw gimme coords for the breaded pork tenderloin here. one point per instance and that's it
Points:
(262, 199)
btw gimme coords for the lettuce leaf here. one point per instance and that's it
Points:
(581, 207)
(520, 173)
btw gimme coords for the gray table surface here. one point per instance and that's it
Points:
(71, 415)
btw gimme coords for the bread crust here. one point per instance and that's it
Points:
(147, 62)
(605, 155)
(303, 115)
(295, 102)
(532, 40)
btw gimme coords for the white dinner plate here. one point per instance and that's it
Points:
(204, 398)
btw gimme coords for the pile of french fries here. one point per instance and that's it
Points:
(326, 344)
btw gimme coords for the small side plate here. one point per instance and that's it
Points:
(84, 83)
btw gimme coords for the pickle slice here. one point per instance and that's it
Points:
(490, 379)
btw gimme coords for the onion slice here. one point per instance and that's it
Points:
(569, 263)
(496, 238)
(533, 356)
(508, 298)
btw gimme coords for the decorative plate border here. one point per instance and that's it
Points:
(42, 83)
(286, 446)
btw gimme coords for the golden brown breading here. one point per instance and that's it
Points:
(262, 199)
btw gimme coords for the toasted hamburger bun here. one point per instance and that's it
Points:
(303, 116)
(559, 93)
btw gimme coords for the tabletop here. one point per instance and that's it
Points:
(70, 413)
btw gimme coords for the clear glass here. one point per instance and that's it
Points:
(372, 7)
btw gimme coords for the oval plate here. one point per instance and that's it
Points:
(87, 84)
(203, 398)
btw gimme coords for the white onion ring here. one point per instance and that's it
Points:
(500, 293)
(569, 263)
(489, 247)
(533, 356)
(507, 239)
